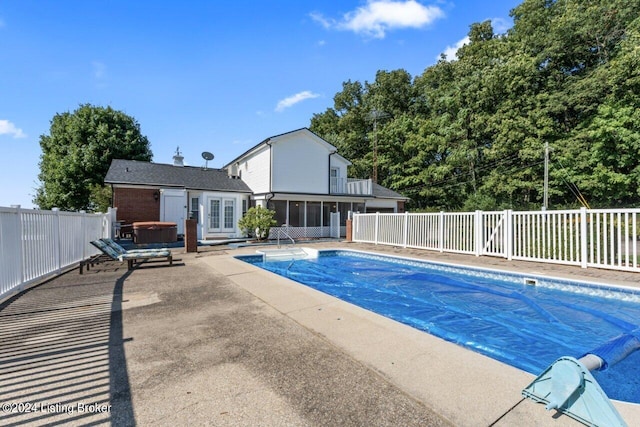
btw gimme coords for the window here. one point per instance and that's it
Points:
(195, 208)
(334, 175)
(229, 213)
(244, 206)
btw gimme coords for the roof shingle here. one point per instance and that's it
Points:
(133, 172)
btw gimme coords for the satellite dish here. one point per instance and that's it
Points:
(207, 156)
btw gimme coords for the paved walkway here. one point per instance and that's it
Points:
(206, 342)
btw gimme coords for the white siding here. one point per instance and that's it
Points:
(300, 164)
(340, 163)
(254, 170)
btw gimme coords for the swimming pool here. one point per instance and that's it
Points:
(527, 322)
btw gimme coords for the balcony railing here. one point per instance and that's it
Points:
(351, 186)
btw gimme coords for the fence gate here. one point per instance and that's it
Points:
(493, 229)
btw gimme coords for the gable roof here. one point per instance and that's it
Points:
(274, 138)
(134, 172)
(381, 192)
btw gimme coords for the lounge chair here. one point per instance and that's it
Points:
(116, 246)
(131, 256)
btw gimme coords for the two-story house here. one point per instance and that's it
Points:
(298, 174)
(304, 180)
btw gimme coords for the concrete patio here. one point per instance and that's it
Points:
(215, 341)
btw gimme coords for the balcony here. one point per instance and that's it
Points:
(351, 186)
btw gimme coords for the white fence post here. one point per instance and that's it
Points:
(375, 239)
(56, 239)
(508, 235)
(20, 247)
(583, 237)
(479, 241)
(441, 232)
(406, 229)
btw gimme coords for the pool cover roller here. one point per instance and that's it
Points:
(568, 386)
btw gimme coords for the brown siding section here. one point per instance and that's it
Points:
(136, 204)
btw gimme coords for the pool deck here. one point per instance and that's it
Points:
(216, 341)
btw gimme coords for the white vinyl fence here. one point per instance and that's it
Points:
(35, 244)
(603, 238)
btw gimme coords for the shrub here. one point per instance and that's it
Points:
(257, 222)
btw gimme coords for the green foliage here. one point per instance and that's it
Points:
(78, 151)
(257, 222)
(469, 133)
(100, 198)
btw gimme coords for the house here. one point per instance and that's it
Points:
(297, 174)
(304, 180)
(146, 191)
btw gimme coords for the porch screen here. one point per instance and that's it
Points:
(313, 214)
(296, 214)
(327, 209)
(280, 207)
(344, 212)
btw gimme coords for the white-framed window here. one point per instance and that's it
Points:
(195, 208)
(334, 179)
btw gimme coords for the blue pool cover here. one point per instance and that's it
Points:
(527, 323)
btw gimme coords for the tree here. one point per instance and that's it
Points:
(78, 151)
(469, 133)
(257, 222)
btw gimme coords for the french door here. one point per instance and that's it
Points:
(221, 215)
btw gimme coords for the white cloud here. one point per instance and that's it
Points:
(379, 16)
(294, 99)
(450, 51)
(321, 20)
(8, 128)
(500, 26)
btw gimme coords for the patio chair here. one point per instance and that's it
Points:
(131, 256)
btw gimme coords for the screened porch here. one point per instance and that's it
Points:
(313, 219)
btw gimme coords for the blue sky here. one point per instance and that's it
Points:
(205, 75)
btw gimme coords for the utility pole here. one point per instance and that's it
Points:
(376, 114)
(545, 204)
(374, 175)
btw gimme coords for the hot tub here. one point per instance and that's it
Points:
(155, 232)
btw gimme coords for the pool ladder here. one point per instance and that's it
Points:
(280, 230)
